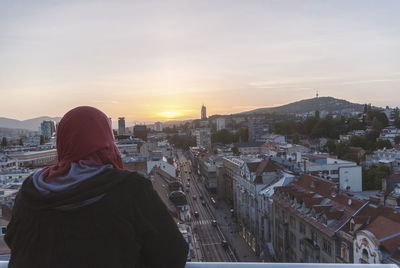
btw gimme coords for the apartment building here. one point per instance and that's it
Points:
(254, 176)
(308, 213)
(316, 222)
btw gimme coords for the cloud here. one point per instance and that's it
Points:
(367, 81)
(288, 82)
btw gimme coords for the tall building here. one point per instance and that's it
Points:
(203, 138)
(140, 131)
(220, 123)
(158, 126)
(121, 125)
(203, 113)
(257, 129)
(48, 128)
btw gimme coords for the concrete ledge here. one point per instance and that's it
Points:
(4, 264)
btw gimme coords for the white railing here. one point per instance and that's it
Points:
(4, 264)
(282, 265)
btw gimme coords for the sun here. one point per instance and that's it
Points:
(169, 114)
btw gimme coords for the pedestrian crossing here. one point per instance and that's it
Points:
(202, 222)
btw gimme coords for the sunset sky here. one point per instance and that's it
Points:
(157, 60)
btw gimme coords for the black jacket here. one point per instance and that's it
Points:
(128, 227)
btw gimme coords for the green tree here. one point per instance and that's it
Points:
(330, 146)
(235, 151)
(242, 135)
(182, 141)
(42, 140)
(223, 136)
(21, 142)
(342, 148)
(372, 178)
(380, 144)
(360, 141)
(397, 139)
(377, 125)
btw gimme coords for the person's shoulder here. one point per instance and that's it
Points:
(131, 178)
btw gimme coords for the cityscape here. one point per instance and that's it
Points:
(243, 188)
(269, 130)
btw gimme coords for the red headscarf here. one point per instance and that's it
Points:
(84, 133)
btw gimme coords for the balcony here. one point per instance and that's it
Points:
(4, 264)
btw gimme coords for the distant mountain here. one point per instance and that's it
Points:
(328, 104)
(29, 124)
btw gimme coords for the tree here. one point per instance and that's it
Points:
(397, 140)
(4, 142)
(183, 142)
(42, 140)
(380, 144)
(21, 142)
(330, 146)
(317, 114)
(377, 125)
(222, 136)
(359, 141)
(372, 178)
(235, 151)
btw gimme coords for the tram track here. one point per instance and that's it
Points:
(210, 236)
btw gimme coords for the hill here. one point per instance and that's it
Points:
(29, 124)
(328, 104)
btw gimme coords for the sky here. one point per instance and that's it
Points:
(160, 60)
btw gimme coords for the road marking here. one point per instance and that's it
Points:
(202, 222)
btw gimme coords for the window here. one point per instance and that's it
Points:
(302, 228)
(292, 239)
(314, 236)
(301, 245)
(344, 252)
(292, 222)
(326, 247)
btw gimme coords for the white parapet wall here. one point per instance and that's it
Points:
(4, 264)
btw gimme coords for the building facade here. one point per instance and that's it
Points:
(48, 128)
(308, 215)
(220, 123)
(203, 113)
(140, 131)
(203, 138)
(257, 129)
(121, 125)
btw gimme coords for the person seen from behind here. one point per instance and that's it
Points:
(87, 212)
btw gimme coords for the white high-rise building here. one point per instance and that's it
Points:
(203, 138)
(158, 126)
(220, 123)
(48, 128)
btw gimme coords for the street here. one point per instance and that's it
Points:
(211, 241)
